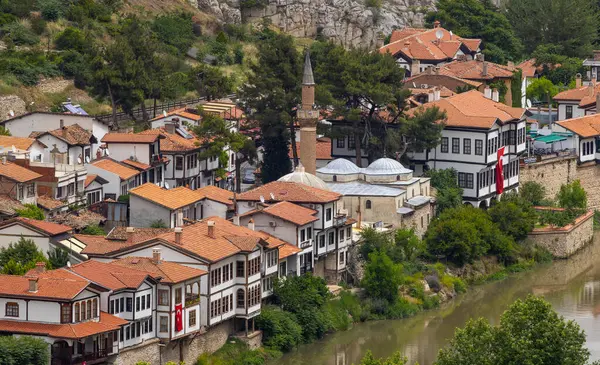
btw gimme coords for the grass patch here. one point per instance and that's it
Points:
(235, 352)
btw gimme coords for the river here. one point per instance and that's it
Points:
(571, 286)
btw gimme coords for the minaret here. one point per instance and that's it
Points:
(307, 118)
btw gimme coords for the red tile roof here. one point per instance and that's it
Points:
(109, 275)
(107, 323)
(49, 203)
(56, 284)
(181, 112)
(91, 178)
(287, 211)
(20, 143)
(118, 239)
(73, 134)
(585, 95)
(288, 250)
(289, 191)
(217, 194)
(17, 173)
(129, 138)
(116, 168)
(587, 126)
(323, 149)
(172, 199)
(473, 70)
(170, 272)
(174, 142)
(136, 164)
(49, 228)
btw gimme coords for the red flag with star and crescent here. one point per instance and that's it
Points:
(178, 317)
(499, 172)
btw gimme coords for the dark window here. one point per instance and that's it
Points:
(469, 183)
(328, 214)
(95, 307)
(122, 305)
(331, 238)
(465, 180)
(455, 145)
(137, 304)
(178, 295)
(89, 309)
(111, 310)
(239, 269)
(368, 204)
(241, 301)
(322, 241)
(178, 162)
(569, 112)
(148, 301)
(512, 137)
(12, 310)
(129, 305)
(302, 235)
(467, 146)
(164, 324)
(479, 147)
(65, 313)
(444, 145)
(77, 313)
(192, 318)
(461, 179)
(351, 142)
(341, 142)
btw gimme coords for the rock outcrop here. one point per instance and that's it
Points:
(351, 23)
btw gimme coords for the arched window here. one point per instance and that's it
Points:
(89, 309)
(241, 298)
(77, 312)
(83, 312)
(334, 177)
(12, 309)
(398, 178)
(368, 204)
(95, 307)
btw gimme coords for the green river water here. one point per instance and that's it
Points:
(572, 286)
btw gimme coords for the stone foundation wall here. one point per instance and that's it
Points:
(564, 242)
(419, 220)
(589, 175)
(551, 174)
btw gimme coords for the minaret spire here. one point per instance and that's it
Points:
(307, 118)
(307, 76)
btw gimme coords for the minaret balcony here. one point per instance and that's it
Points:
(308, 114)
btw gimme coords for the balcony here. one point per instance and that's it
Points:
(64, 356)
(340, 220)
(305, 269)
(306, 244)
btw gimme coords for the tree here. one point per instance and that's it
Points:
(300, 292)
(4, 131)
(542, 89)
(530, 332)
(158, 224)
(176, 30)
(58, 257)
(93, 230)
(559, 69)
(23, 350)
(382, 277)
(479, 19)
(31, 211)
(408, 243)
(532, 192)
(210, 82)
(449, 194)
(572, 196)
(73, 39)
(395, 359)
(20, 257)
(280, 329)
(273, 93)
(569, 24)
(514, 216)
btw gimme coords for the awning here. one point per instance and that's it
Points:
(550, 138)
(404, 210)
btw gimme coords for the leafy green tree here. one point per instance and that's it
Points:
(542, 89)
(18, 34)
(93, 230)
(374, 240)
(23, 350)
(395, 359)
(382, 277)
(280, 329)
(51, 9)
(72, 38)
(569, 24)
(449, 194)
(4, 131)
(479, 19)
(572, 196)
(58, 257)
(533, 192)
(210, 82)
(20, 257)
(300, 292)
(158, 224)
(514, 216)
(31, 211)
(176, 30)
(530, 332)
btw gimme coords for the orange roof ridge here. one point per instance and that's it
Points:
(289, 191)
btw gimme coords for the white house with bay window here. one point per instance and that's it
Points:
(585, 138)
(475, 129)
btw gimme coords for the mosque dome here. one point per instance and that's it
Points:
(386, 166)
(340, 166)
(302, 177)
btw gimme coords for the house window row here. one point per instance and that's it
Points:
(511, 169)
(465, 180)
(191, 161)
(221, 306)
(85, 310)
(118, 305)
(268, 284)
(221, 275)
(486, 178)
(272, 258)
(494, 144)
(254, 266)
(341, 234)
(587, 148)
(143, 302)
(93, 197)
(138, 328)
(306, 234)
(254, 296)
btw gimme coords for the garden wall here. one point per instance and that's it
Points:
(565, 241)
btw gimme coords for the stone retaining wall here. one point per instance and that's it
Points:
(564, 242)
(551, 174)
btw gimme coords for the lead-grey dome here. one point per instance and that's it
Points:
(340, 166)
(386, 166)
(303, 177)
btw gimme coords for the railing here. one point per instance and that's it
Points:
(306, 244)
(541, 154)
(340, 220)
(90, 356)
(305, 269)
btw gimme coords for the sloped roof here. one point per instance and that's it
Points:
(115, 167)
(137, 164)
(8, 205)
(169, 272)
(289, 191)
(217, 194)
(585, 95)
(182, 112)
(49, 228)
(287, 211)
(473, 70)
(174, 142)
(56, 284)
(130, 138)
(49, 203)
(91, 178)
(20, 143)
(173, 198)
(287, 250)
(587, 126)
(117, 239)
(109, 275)
(73, 135)
(17, 173)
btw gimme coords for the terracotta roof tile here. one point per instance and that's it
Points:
(20, 143)
(170, 272)
(17, 173)
(323, 149)
(116, 168)
(585, 95)
(91, 178)
(73, 134)
(107, 323)
(289, 191)
(51, 229)
(287, 211)
(588, 126)
(174, 142)
(49, 203)
(181, 112)
(129, 138)
(173, 198)
(109, 275)
(217, 194)
(441, 77)
(8, 205)
(56, 284)
(450, 48)
(473, 70)
(473, 109)
(117, 239)
(287, 250)
(136, 164)
(79, 219)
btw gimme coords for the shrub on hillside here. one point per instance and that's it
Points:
(72, 39)
(281, 330)
(23, 350)
(51, 9)
(19, 34)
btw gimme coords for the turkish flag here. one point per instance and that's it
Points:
(499, 174)
(178, 317)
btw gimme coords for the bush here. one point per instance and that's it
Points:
(532, 192)
(158, 224)
(572, 196)
(175, 29)
(298, 293)
(19, 35)
(93, 230)
(31, 211)
(23, 350)
(315, 323)
(382, 277)
(72, 39)
(514, 216)
(281, 330)
(51, 9)
(38, 25)
(401, 308)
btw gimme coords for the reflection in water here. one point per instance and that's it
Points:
(572, 286)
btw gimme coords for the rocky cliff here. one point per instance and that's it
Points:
(348, 22)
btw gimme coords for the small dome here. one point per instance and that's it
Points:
(340, 166)
(386, 166)
(302, 177)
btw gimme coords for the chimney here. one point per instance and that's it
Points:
(211, 229)
(62, 124)
(178, 234)
(156, 255)
(436, 70)
(437, 93)
(4, 160)
(251, 224)
(510, 64)
(431, 97)
(495, 95)
(170, 127)
(236, 220)
(40, 267)
(480, 57)
(33, 285)
(429, 70)
(129, 232)
(487, 92)
(415, 67)
(597, 103)
(577, 81)
(437, 24)
(484, 68)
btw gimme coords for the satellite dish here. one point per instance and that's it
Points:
(262, 199)
(11, 113)
(167, 185)
(414, 85)
(439, 34)
(529, 103)
(87, 159)
(272, 196)
(13, 148)
(106, 152)
(68, 263)
(79, 160)
(451, 34)
(165, 113)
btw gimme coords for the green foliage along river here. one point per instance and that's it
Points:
(571, 286)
